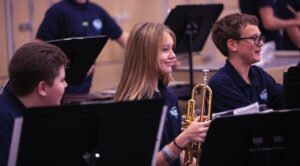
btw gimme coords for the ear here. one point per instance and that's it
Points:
(42, 88)
(232, 45)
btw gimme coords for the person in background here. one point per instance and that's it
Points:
(270, 22)
(149, 59)
(79, 18)
(36, 78)
(239, 83)
(289, 9)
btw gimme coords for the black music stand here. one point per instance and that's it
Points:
(291, 87)
(192, 24)
(82, 53)
(265, 139)
(123, 133)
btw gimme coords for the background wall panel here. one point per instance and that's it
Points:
(3, 43)
(126, 12)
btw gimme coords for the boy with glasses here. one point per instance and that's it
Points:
(239, 83)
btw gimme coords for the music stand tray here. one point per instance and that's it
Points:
(122, 133)
(264, 139)
(291, 87)
(191, 25)
(82, 53)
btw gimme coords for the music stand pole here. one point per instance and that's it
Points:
(191, 31)
(191, 25)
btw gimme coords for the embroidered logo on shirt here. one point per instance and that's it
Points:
(97, 23)
(174, 112)
(264, 95)
(85, 24)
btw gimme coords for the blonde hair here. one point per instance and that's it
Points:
(141, 62)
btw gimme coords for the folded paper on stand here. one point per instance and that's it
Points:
(249, 109)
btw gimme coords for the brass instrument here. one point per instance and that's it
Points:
(193, 148)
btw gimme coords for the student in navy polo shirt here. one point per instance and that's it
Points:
(146, 74)
(290, 9)
(239, 83)
(270, 21)
(36, 78)
(79, 18)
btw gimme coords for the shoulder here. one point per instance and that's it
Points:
(262, 78)
(264, 3)
(10, 106)
(170, 95)
(7, 109)
(59, 6)
(258, 71)
(96, 7)
(221, 77)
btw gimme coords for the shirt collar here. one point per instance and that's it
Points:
(16, 100)
(82, 6)
(237, 77)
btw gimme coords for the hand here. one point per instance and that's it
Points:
(196, 132)
(297, 16)
(91, 70)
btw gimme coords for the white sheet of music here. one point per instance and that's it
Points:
(250, 109)
(159, 135)
(14, 146)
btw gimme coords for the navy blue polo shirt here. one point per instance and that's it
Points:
(10, 108)
(67, 18)
(173, 120)
(230, 90)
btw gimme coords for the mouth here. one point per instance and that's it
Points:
(257, 52)
(170, 63)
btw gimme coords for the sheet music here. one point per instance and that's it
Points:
(249, 109)
(3, 87)
(159, 134)
(14, 147)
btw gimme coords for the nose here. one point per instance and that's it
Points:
(66, 84)
(261, 43)
(172, 54)
(262, 40)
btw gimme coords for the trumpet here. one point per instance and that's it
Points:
(205, 92)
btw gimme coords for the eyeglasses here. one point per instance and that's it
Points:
(256, 40)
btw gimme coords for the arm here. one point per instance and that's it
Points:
(271, 22)
(287, 11)
(275, 93)
(196, 132)
(294, 35)
(50, 25)
(122, 40)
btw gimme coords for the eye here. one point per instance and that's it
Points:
(166, 49)
(63, 80)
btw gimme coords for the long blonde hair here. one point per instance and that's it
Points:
(141, 62)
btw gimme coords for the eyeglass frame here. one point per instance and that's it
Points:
(256, 40)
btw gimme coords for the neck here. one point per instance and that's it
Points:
(28, 102)
(31, 100)
(242, 69)
(81, 1)
(155, 85)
